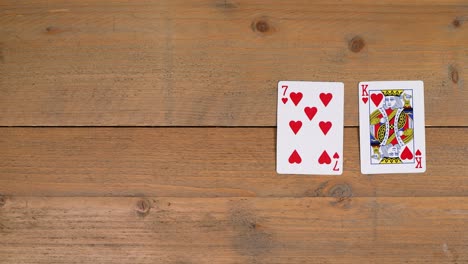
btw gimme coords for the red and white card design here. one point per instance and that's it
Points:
(392, 127)
(310, 128)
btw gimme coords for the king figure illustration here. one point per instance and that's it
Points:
(391, 127)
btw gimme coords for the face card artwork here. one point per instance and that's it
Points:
(391, 126)
(310, 127)
(392, 132)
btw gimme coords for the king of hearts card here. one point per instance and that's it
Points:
(392, 127)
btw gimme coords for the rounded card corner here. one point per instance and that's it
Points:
(420, 83)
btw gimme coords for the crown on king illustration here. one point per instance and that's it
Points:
(387, 160)
(392, 92)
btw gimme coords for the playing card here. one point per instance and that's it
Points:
(391, 125)
(310, 128)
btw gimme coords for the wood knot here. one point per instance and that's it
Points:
(262, 26)
(454, 74)
(356, 44)
(342, 190)
(2, 201)
(343, 194)
(456, 23)
(143, 207)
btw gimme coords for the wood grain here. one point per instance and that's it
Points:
(235, 230)
(216, 63)
(204, 162)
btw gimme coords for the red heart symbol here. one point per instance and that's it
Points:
(295, 158)
(326, 98)
(295, 126)
(325, 126)
(296, 97)
(376, 98)
(324, 158)
(310, 112)
(336, 156)
(365, 99)
(406, 154)
(285, 100)
(418, 153)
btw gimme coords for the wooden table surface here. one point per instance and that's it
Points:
(143, 131)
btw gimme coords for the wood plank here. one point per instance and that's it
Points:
(235, 230)
(204, 162)
(216, 63)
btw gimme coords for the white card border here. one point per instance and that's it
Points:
(418, 106)
(339, 86)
